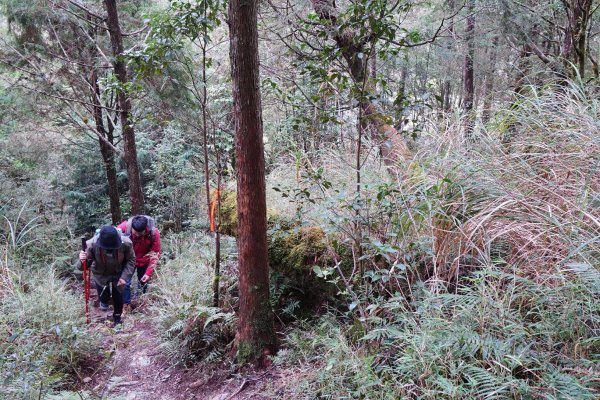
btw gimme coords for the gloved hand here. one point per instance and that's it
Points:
(145, 278)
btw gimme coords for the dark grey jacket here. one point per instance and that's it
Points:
(109, 267)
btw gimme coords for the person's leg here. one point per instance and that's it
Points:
(117, 297)
(141, 271)
(127, 292)
(103, 296)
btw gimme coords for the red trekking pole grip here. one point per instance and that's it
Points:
(86, 281)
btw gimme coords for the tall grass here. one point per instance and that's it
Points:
(476, 272)
(45, 344)
(534, 199)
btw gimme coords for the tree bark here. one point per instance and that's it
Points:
(255, 337)
(581, 20)
(373, 66)
(468, 75)
(574, 37)
(136, 193)
(488, 95)
(401, 96)
(447, 86)
(105, 137)
(523, 67)
(393, 148)
(568, 59)
(108, 156)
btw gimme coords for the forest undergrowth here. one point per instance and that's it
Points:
(478, 274)
(473, 274)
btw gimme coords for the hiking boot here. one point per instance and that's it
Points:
(103, 307)
(117, 320)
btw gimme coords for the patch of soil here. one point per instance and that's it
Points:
(133, 367)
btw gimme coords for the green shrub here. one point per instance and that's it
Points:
(327, 365)
(499, 336)
(194, 333)
(192, 330)
(294, 252)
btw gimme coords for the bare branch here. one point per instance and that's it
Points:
(87, 10)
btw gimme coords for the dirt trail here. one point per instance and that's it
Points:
(133, 367)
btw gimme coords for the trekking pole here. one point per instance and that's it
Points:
(86, 282)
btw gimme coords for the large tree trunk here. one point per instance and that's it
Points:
(255, 337)
(468, 78)
(393, 147)
(136, 193)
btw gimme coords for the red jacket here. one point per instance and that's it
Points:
(147, 251)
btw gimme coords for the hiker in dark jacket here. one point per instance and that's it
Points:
(144, 234)
(112, 262)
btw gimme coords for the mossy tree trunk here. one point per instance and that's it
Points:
(255, 337)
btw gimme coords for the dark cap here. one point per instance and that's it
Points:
(109, 238)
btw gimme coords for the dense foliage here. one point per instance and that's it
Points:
(418, 247)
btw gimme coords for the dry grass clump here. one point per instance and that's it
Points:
(534, 200)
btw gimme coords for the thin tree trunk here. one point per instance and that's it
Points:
(447, 86)
(573, 47)
(255, 337)
(204, 105)
(468, 79)
(402, 95)
(581, 33)
(108, 155)
(136, 193)
(106, 137)
(217, 279)
(488, 95)
(373, 65)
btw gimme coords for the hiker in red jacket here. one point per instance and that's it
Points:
(145, 236)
